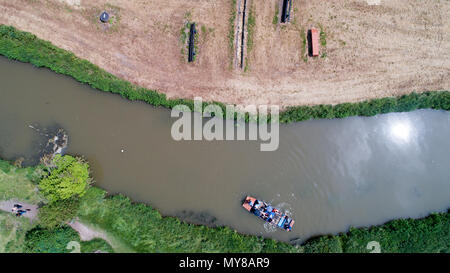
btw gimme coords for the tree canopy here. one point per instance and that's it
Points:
(67, 178)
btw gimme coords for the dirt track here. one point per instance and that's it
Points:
(372, 51)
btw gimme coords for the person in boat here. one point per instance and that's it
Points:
(287, 223)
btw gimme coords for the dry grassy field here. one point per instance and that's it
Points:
(367, 51)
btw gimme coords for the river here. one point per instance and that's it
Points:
(328, 174)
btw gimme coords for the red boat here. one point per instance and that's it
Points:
(268, 213)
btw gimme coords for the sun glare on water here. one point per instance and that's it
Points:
(401, 131)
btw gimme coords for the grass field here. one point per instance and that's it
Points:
(19, 183)
(12, 232)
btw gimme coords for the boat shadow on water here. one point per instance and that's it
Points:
(198, 218)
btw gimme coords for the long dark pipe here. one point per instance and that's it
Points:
(284, 11)
(191, 43)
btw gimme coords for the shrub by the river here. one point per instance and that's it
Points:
(41, 240)
(26, 47)
(427, 235)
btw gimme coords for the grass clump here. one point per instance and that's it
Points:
(58, 213)
(231, 21)
(277, 11)
(251, 25)
(304, 44)
(439, 100)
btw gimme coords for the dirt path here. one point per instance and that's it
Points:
(371, 51)
(88, 233)
(8, 205)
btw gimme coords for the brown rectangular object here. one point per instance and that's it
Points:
(315, 42)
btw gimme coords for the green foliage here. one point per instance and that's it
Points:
(58, 213)
(68, 178)
(304, 44)
(12, 232)
(323, 38)
(251, 25)
(231, 21)
(427, 235)
(183, 39)
(41, 240)
(26, 47)
(277, 11)
(324, 244)
(184, 34)
(439, 100)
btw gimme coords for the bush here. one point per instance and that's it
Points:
(41, 240)
(68, 178)
(58, 213)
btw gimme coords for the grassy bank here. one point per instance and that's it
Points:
(140, 228)
(26, 47)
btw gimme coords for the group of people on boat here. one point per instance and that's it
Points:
(17, 209)
(268, 213)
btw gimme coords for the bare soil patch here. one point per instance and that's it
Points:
(371, 51)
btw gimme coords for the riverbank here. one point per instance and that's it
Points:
(138, 227)
(142, 44)
(26, 47)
